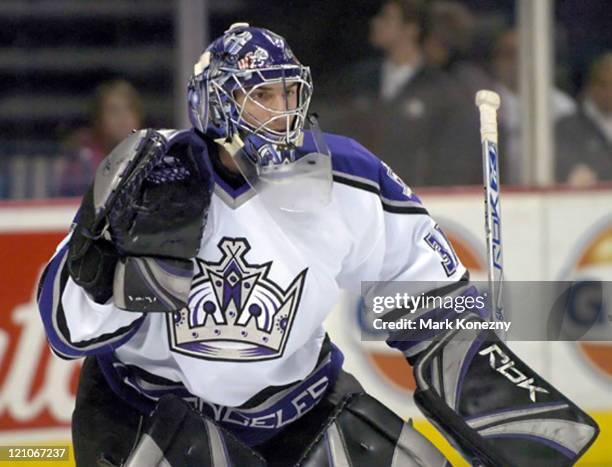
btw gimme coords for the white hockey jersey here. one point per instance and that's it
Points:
(265, 282)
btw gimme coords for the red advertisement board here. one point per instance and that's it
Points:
(37, 388)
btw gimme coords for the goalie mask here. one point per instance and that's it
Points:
(251, 95)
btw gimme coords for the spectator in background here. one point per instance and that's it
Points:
(447, 44)
(116, 111)
(584, 140)
(396, 31)
(505, 69)
(407, 112)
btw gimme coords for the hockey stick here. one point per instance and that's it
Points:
(488, 103)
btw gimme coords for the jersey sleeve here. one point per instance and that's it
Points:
(402, 249)
(399, 241)
(77, 326)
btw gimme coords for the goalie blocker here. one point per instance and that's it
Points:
(494, 408)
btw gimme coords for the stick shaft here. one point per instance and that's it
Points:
(488, 105)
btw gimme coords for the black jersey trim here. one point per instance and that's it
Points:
(404, 209)
(62, 356)
(84, 345)
(387, 207)
(356, 184)
(152, 378)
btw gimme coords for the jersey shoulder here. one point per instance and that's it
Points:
(355, 166)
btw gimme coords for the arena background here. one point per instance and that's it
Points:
(53, 55)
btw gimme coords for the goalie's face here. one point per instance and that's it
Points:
(269, 107)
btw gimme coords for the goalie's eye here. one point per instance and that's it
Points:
(274, 96)
(261, 95)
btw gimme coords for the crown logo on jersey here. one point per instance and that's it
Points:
(236, 312)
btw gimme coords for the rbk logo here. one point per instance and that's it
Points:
(504, 365)
(494, 203)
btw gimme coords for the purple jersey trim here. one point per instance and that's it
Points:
(45, 305)
(252, 426)
(233, 192)
(351, 158)
(348, 157)
(54, 320)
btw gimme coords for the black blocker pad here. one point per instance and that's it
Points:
(494, 408)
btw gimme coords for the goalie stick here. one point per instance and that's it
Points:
(488, 103)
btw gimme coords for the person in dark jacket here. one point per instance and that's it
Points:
(584, 140)
(407, 111)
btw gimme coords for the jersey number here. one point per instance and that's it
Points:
(440, 244)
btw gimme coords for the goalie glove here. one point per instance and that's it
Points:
(494, 408)
(91, 259)
(149, 200)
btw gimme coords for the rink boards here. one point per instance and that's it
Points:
(548, 235)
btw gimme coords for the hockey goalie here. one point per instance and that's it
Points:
(201, 266)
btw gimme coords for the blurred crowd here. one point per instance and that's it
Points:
(116, 110)
(412, 104)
